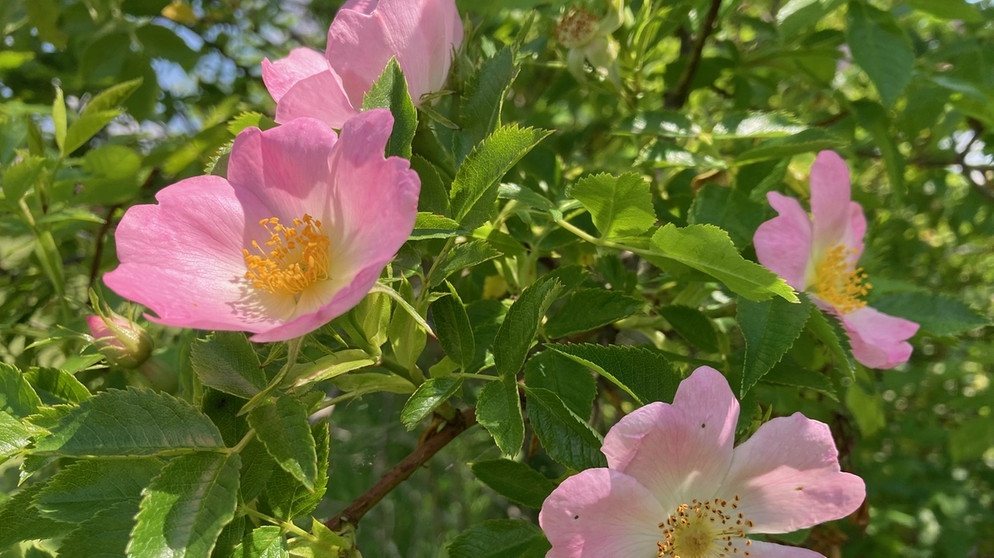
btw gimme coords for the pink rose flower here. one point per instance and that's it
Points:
(819, 254)
(296, 235)
(421, 34)
(675, 487)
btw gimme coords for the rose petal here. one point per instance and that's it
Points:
(287, 168)
(320, 96)
(878, 340)
(421, 35)
(788, 477)
(830, 201)
(598, 513)
(183, 257)
(783, 244)
(281, 75)
(679, 451)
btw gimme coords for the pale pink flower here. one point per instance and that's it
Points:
(675, 487)
(421, 34)
(819, 254)
(296, 235)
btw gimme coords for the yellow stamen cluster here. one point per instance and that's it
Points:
(576, 28)
(712, 529)
(294, 258)
(837, 282)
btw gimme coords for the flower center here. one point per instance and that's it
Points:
(576, 28)
(293, 258)
(838, 283)
(713, 529)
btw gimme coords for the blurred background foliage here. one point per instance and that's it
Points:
(716, 102)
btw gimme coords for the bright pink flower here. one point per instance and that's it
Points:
(674, 485)
(819, 254)
(421, 34)
(297, 234)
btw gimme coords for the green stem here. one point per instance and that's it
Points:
(286, 526)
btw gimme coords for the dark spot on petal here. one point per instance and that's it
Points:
(575, 517)
(799, 488)
(703, 425)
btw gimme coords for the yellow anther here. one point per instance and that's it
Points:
(838, 282)
(294, 258)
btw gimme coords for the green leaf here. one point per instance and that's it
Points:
(21, 176)
(282, 427)
(728, 208)
(263, 542)
(948, 9)
(430, 225)
(693, 325)
(566, 437)
(482, 99)
(642, 372)
(131, 423)
(660, 123)
(588, 309)
(866, 404)
(285, 496)
(881, 48)
(498, 409)
(161, 42)
(807, 141)
(105, 533)
(454, 330)
(829, 330)
(937, 313)
(875, 119)
(390, 91)
(564, 376)
(44, 17)
(114, 175)
(429, 395)
(56, 387)
(17, 397)
(14, 436)
(708, 249)
(111, 98)
(22, 522)
(757, 125)
(770, 328)
(619, 205)
(77, 490)
(330, 366)
(460, 257)
(250, 120)
(59, 119)
(226, 361)
(85, 127)
(796, 16)
(474, 189)
(788, 373)
(500, 538)
(515, 481)
(521, 324)
(184, 508)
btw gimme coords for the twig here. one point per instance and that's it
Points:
(432, 443)
(678, 96)
(99, 248)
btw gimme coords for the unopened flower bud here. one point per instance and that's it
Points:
(122, 341)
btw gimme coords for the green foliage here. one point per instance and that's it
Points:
(583, 242)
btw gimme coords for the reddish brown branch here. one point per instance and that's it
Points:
(432, 443)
